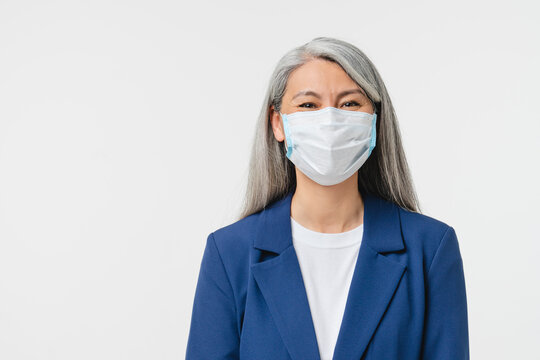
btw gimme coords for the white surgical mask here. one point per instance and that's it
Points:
(329, 145)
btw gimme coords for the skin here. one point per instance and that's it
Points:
(327, 209)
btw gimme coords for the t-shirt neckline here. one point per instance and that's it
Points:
(326, 240)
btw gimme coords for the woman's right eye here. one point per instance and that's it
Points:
(302, 105)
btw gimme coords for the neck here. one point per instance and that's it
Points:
(328, 209)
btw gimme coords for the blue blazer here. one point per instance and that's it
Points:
(406, 301)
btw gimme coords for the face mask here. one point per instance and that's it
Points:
(329, 145)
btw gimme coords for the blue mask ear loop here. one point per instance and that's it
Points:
(287, 134)
(373, 133)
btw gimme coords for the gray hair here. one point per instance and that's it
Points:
(385, 173)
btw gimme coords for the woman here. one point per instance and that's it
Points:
(331, 258)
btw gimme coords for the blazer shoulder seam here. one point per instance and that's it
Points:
(439, 247)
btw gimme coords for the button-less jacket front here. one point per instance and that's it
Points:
(407, 299)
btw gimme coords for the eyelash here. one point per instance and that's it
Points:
(353, 102)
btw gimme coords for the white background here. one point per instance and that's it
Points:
(125, 131)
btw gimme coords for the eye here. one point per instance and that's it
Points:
(352, 102)
(308, 103)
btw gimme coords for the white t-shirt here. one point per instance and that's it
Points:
(327, 262)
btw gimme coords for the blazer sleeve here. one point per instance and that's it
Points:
(446, 334)
(213, 332)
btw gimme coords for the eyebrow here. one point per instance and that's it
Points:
(341, 94)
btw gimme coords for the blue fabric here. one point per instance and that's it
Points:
(373, 133)
(407, 298)
(287, 135)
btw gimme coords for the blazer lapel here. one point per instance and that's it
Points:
(375, 278)
(374, 281)
(281, 283)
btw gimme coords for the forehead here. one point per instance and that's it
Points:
(322, 76)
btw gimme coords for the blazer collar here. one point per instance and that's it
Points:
(375, 279)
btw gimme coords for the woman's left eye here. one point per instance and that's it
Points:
(352, 102)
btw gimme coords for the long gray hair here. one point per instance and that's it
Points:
(385, 173)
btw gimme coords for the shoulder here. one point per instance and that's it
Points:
(422, 223)
(424, 233)
(236, 239)
(234, 243)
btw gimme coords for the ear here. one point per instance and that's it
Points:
(277, 124)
